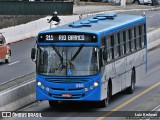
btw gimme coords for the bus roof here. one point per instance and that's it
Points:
(99, 24)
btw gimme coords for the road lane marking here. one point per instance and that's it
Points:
(157, 108)
(14, 63)
(150, 16)
(14, 87)
(128, 101)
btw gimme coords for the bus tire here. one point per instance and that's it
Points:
(53, 103)
(8, 57)
(131, 88)
(105, 102)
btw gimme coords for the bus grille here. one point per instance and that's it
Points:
(68, 80)
(69, 89)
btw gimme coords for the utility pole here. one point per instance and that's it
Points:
(123, 3)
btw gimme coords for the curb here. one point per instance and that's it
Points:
(118, 11)
(153, 38)
(17, 96)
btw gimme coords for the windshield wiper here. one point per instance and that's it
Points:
(78, 51)
(61, 58)
(59, 55)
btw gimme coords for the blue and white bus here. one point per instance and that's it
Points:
(90, 59)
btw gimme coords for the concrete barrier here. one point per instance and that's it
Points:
(31, 29)
(154, 38)
(17, 96)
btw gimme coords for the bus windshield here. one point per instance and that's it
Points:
(67, 61)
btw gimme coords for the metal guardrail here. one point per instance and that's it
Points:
(35, 8)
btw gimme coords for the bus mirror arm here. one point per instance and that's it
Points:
(104, 52)
(33, 53)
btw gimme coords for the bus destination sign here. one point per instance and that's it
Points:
(67, 38)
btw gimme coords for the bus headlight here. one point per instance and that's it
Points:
(42, 86)
(86, 89)
(39, 83)
(91, 87)
(95, 84)
(47, 89)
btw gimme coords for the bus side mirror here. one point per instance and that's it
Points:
(105, 56)
(33, 53)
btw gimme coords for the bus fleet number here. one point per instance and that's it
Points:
(79, 85)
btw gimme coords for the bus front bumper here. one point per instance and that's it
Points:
(45, 93)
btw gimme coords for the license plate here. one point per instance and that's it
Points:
(66, 95)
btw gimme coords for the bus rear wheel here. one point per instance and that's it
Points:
(53, 103)
(131, 88)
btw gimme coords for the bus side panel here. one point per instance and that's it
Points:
(120, 70)
(137, 64)
(129, 62)
(143, 66)
(108, 72)
(104, 81)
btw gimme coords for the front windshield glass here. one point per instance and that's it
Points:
(67, 61)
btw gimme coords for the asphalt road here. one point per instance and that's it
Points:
(119, 102)
(21, 63)
(153, 18)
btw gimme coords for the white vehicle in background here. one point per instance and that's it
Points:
(132, 1)
(142, 1)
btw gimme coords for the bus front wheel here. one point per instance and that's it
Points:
(105, 102)
(53, 104)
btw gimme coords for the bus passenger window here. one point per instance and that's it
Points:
(103, 42)
(132, 39)
(128, 45)
(116, 46)
(142, 35)
(137, 38)
(109, 40)
(122, 43)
